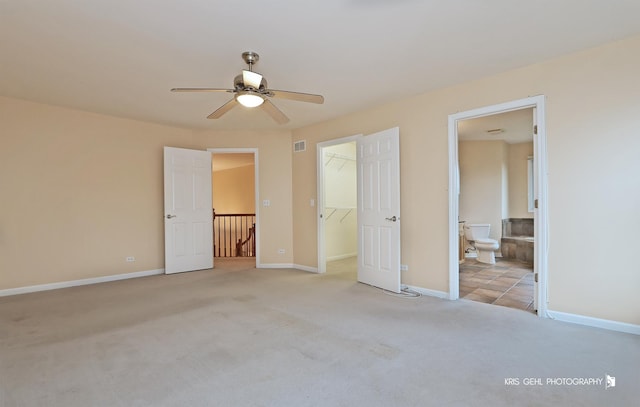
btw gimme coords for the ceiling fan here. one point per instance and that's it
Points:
(250, 90)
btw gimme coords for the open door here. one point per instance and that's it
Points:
(188, 217)
(378, 157)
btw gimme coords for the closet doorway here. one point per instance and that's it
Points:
(337, 208)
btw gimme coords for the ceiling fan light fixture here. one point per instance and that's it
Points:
(249, 99)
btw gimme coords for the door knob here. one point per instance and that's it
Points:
(392, 219)
(171, 216)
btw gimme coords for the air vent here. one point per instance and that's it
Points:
(299, 146)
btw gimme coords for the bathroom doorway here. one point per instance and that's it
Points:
(497, 157)
(337, 206)
(493, 154)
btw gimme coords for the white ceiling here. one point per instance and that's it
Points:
(121, 57)
(515, 127)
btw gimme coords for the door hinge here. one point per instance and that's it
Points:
(535, 203)
(535, 129)
(535, 277)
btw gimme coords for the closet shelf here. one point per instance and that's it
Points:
(344, 158)
(333, 210)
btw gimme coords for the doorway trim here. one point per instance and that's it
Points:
(322, 257)
(540, 191)
(256, 184)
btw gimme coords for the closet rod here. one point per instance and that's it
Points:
(338, 156)
(346, 214)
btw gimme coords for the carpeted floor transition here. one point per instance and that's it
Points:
(239, 336)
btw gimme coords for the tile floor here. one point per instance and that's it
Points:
(508, 283)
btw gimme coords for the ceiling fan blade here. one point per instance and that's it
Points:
(252, 79)
(223, 109)
(275, 113)
(300, 97)
(201, 90)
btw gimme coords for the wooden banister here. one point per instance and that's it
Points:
(251, 240)
(234, 234)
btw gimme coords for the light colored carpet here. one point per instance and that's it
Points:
(346, 269)
(237, 336)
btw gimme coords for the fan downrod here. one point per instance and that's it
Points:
(250, 58)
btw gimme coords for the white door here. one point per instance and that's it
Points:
(188, 217)
(379, 209)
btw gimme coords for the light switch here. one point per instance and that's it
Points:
(312, 202)
(266, 202)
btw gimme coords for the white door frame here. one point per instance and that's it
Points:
(540, 191)
(322, 256)
(256, 169)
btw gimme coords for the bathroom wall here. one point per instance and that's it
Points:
(493, 182)
(518, 182)
(483, 187)
(504, 162)
(341, 239)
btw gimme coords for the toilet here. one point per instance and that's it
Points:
(478, 235)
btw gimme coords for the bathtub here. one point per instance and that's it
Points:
(517, 239)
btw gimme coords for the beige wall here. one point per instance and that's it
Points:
(592, 133)
(82, 191)
(518, 180)
(482, 183)
(234, 190)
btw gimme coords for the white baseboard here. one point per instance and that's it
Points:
(595, 322)
(305, 268)
(287, 266)
(428, 292)
(342, 256)
(274, 266)
(74, 283)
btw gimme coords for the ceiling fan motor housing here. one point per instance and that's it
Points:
(238, 83)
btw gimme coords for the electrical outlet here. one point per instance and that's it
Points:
(130, 259)
(404, 267)
(281, 251)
